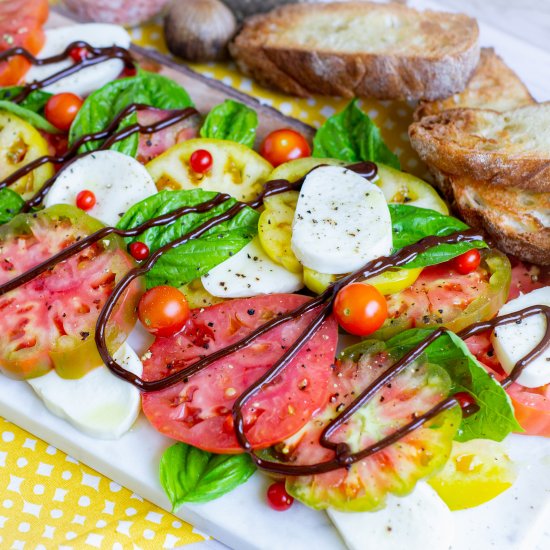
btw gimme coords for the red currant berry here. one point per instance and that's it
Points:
(128, 72)
(138, 250)
(85, 200)
(278, 498)
(465, 400)
(467, 262)
(201, 161)
(78, 54)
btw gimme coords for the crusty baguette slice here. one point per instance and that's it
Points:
(493, 85)
(501, 149)
(386, 51)
(518, 221)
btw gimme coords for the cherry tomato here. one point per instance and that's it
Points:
(201, 161)
(78, 54)
(62, 109)
(284, 145)
(138, 250)
(278, 498)
(85, 200)
(163, 310)
(467, 262)
(360, 309)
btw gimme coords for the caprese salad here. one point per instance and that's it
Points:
(315, 312)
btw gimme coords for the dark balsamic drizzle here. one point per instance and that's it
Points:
(343, 457)
(94, 57)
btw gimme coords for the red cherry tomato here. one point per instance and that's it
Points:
(278, 498)
(201, 161)
(78, 54)
(163, 310)
(360, 309)
(283, 145)
(85, 200)
(467, 262)
(62, 109)
(138, 250)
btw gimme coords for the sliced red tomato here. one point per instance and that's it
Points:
(443, 297)
(152, 145)
(50, 321)
(526, 277)
(20, 25)
(198, 412)
(395, 469)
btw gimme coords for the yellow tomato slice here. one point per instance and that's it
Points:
(476, 472)
(20, 144)
(198, 296)
(275, 229)
(236, 169)
(399, 187)
(394, 280)
(295, 169)
(317, 282)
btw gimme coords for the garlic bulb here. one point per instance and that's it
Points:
(199, 30)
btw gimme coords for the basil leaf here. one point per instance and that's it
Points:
(10, 204)
(233, 121)
(102, 106)
(35, 101)
(352, 136)
(411, 224)
(188, 474)
(198, 256)
(37, 120)
(495, 418)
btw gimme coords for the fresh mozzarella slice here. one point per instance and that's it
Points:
(117, 181)
(250, 272)
(99, 404)
(84, 81)
(341, 222)
(512, 342)
(419, 521)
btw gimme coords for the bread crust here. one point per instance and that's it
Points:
(493, 85)
(455, 143)
(302, 70)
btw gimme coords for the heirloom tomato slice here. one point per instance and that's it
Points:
(198, 410)
(395, 469)
(50, 321)
(443, 297)
(20, 25)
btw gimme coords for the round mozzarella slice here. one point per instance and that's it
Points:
(117, 181)
(342, 221)
(248, 273)
(512, 342)
(84, 81)
(98, 404)
(417, 521)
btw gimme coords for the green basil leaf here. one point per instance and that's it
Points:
(10, 204)
(411, 224)
(352, 136)
(37, 120)
(233, 121)
(198, 256)
(495, 418)
(188, 474)
(102, 106)
(35, 101)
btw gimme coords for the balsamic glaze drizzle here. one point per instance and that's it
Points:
(342, 455)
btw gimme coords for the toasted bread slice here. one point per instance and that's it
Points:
(518, 221)
(386, 51)
(501, 149)
(493, 85)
